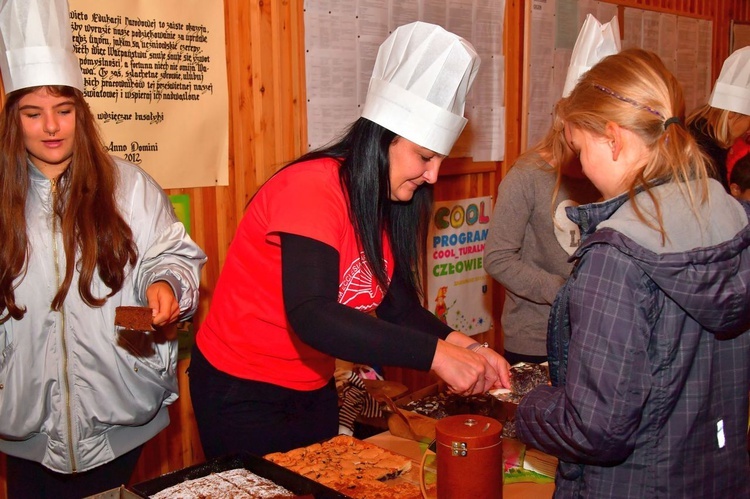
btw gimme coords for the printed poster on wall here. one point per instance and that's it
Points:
(155, 78)
(458, 288)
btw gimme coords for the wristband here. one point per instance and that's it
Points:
(476, 346)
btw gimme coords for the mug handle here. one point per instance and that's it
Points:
(422, 486)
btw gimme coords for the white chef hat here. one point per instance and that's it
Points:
(732, 88)
(419, 84)
(595, 42)
(36, 45)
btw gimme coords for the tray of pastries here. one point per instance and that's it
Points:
(358, 469)
(435, 403)
(239, 476)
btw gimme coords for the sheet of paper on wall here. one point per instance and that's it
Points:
(331, 67)
(339, 67)
(683, 42)
(684, 45)
(155, 77)
(541, 95)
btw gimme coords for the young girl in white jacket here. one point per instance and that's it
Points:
(83, 233)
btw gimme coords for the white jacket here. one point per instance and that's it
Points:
(75, 393)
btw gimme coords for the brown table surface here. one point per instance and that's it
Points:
(411, 449)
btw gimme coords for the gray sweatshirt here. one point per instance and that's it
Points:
(527, 253)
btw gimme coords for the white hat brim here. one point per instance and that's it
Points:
(40, 66)
(731, 98)
(412, 117)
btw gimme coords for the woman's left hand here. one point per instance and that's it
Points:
(502, 367)
(494, 359)
(163, 303)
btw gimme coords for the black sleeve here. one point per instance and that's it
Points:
(402, 306)
(310, 285)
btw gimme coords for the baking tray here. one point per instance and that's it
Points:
(294, 482)
(119, 493)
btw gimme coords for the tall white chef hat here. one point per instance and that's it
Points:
(36, 45)
(419, 84)
(732, 88)
(595, 42)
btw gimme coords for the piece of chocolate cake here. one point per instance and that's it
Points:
(135, 318)
(524, 376)
(450, 404)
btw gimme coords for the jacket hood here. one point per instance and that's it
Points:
(704, 263)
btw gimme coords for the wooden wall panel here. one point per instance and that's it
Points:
(515, 81)
(265, 67)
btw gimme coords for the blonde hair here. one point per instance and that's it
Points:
(715, 124)
(637, 92)
(552, 146)
(554, 150)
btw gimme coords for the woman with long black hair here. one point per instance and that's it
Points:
(325, 264)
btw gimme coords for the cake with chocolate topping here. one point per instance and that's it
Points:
(450, 404)
(526, 376)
